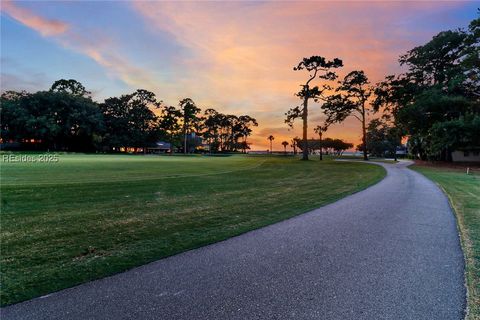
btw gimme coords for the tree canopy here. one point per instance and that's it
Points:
(317, 67)
(55, 120)
(332, 146)
(70, 86)
(66, 118)
(351, 99)
(129, 119)
(436, 101)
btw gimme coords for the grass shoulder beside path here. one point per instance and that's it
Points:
(464, 193)
(89, 216)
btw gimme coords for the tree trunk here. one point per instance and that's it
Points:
(185, 142)
(305, 127)
(321, 149)
(395, 153)
(364, 134)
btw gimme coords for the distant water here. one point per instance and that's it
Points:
(353, 153)
(346, 153)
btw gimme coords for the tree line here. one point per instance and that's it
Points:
(331, 146)
(66, 118)
(434, 103)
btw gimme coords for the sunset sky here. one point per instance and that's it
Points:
(236, 57)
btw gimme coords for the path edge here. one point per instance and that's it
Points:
(461, 237)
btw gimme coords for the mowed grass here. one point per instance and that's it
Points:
(464, 193)
(89, 216)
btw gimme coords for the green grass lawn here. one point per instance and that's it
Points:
(88, 216)
(464, 193)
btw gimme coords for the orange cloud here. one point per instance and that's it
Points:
(241, 54)
(115, 64)
(45, 27)
(237, 57)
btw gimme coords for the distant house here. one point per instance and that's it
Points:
(22, 144)
(466, 155)
(159, 147)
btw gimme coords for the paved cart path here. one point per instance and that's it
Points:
(389, 252)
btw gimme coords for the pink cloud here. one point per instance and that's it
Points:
(46, 27)
(239, 55)
(242, 54)
(96, 46)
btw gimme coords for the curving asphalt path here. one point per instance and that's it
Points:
(389, 252)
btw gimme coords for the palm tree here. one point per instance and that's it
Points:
(294, 145)
(271, 138)
(285, 145)
(320, 130)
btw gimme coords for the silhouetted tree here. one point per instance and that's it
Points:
(320, 130)
(271, 138)
(436, 101)
(339, 146)
(170, 127)
(129, 119)
(382, 138)
(211, 125)
(351, 100)
(316, 66)
(244, 130)
(285, 145)
(70, 86)
(56, 120)
(294, 145)
(334, 146)
(65, 118)
(190, 117)
(227, 132)
(14, 116)
(227, 135)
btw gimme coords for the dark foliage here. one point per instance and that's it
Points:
(66, 118)
(317, 67)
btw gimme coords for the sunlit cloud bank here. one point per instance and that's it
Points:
(237, 57)
(242, 54)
